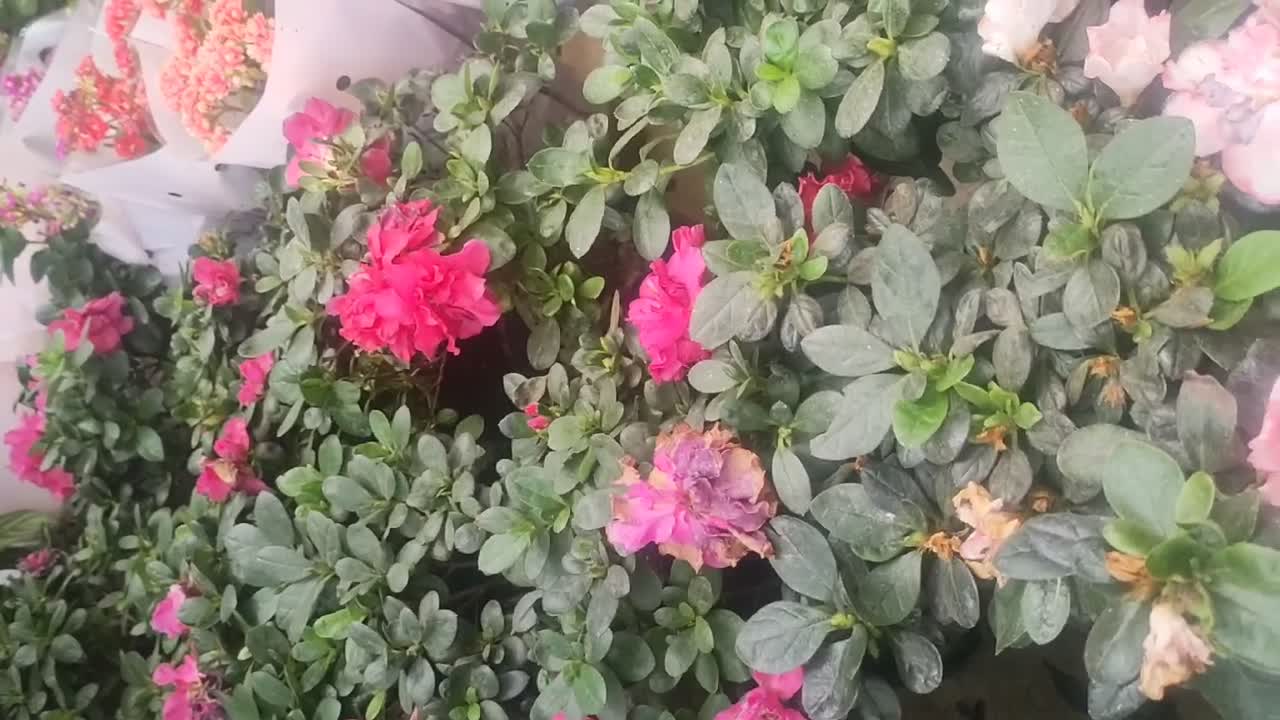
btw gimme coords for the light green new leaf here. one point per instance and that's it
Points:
(1250, 267)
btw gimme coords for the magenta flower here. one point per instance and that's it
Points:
(402, 228)
(25, 460)
(309, 132)
(1128, 51)
(217, 281)
(231, 471)
(189, 699)
(164, 619)
(38, 563)
(662, 311)
(536, 420)
(418, 303)
(1264, 450)
(105, 319)
(376, 163)
(253, 374)
(766, 701)
(706, 501)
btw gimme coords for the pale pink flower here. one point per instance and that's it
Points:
(1210, 125)
(403, 227)
(1264, 450)
(418, 303)
(1269, 10)
(1128, 51)
(309, 131)
(253, 378)
(164, 619)
(1173, 652)
(106, 322)
(1254, 166)
(706, 501)
(189, 699)
(38, 563)
(217, 281)
(231, 471)
(1251, 56)
(1010, 29)
(766, 700)
(662, 312)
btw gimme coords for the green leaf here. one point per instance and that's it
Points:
(847, 351)
(1142, 167)
(411, 162)
(1245, 590)
(1053, 546)
(864, 416)
(815, 67)
(849, 514)
(918, 660)
(724, 309)
(1195, 502)
(1131, 538)
(806, 123)
(584, 223)
(915, 421)
(501, 552)
(1091, 294)
(1005, 616)
(606, 83)
(780, 40)
(888, 594)
(652, 225)
(1046, 606)
(954, 592)
(905, 285)
(860, 100)
(1113, 652)
(589, 689)
(1042, 151)
(924, 58)
(150, 446)
(1250, 267)
(66, 649)
(802, 559)
(832, 680)
(791, 480)
(744, 204)
(1085, 455)
(272, 566)
(896, 15)
(782, 636)
(559, 167)
(1142, 483)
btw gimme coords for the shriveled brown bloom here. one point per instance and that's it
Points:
(943, 545)
(1173, 653)
(1132, 571)
(991, 527)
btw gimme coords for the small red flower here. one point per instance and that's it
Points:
(851, 176)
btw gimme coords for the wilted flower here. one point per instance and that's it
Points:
(253, 374)
(1173, 653)
(105, 319)
(217, 281)
(662, 311)
(706, 501)
(851, 176)
(189, 699)
(164, 619)
(419, 302)
(38, 563)
(766, 701)
(991, 527)
(308, 132)
(1264, 450)
(1010, 29)
(231, 470)
(1128, 51)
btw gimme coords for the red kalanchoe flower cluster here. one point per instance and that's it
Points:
(106, 322)
(217, 281)
(851, 176)
(409, 298)
(219, 66)
(231, 471)
(103, 110)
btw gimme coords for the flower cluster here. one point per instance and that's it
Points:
(253, 375)
(218, 68)
(1230, 90)
(217, 281)
(25, 461)
(231, 471)
(101, 321)
(767, 700)
(39, 562)
(706, 501)
(661, 313)
(50, 209)
(103, 110)
(19, 87)
(190, 698)
(409, 297)
(311, 133)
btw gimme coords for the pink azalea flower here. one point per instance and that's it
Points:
(1010, 29)
(309, 130)
(375, 163)
(401, 228)
(1252, 166)
(189, 699)
(1264, 450)
(418, 303)
(1269, 10)
(25, 460)
(38, 563)
(851, 176)
(1210, 125)
(1128, 51)
(105, 319)
(164, 619)
(662, 311)
(706, 501)
(231, 470)
(254, 373)
(766, 700)
(217, 281)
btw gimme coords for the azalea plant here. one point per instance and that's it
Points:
(968, 334)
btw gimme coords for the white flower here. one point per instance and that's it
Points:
(1010, 29)
(1128, 51)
